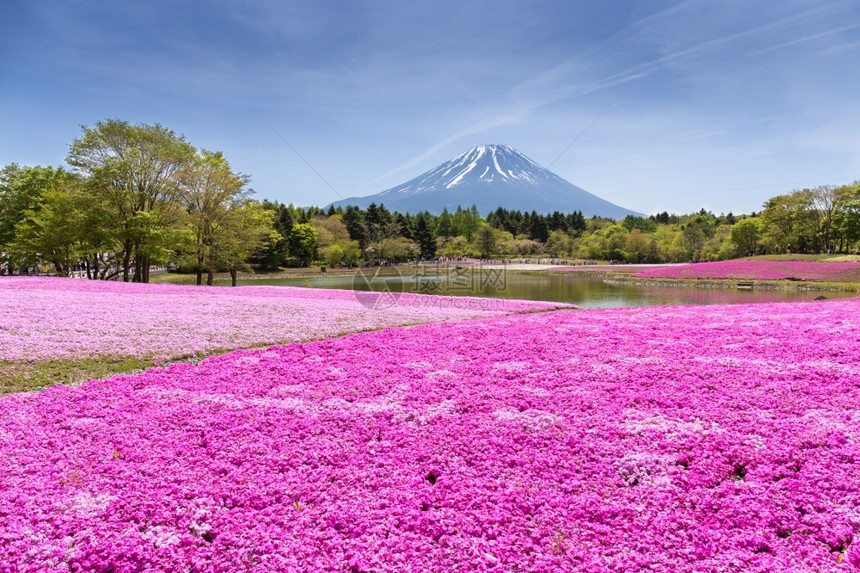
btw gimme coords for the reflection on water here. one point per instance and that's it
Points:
(582, 291)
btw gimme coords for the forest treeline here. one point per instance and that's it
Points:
(139, 196)
(816, 220)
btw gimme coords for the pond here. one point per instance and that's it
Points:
(589, 292)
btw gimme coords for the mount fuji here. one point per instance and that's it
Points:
(490, 176)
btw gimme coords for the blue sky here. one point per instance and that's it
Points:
(690, 104)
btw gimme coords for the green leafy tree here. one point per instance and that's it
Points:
(246, 227)
(21, 194)
(303, 244)
(445, 224)
(638, 247)
(790, 219)
(208, 188)
(353, 219)
(746, 234)
(134, 167)
(847, 217)
(559, 244)
(425, 236)
(645, 225)
(55, 230)
(486, 241)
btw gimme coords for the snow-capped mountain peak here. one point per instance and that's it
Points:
(490, 176)
(483, 163)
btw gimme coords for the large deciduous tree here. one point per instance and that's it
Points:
(208, 189)
(303, 244)
(746, 234)
(21, 192)
(246, 227)
(134, 167)
(56, 230)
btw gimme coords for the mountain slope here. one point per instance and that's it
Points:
(490, 176)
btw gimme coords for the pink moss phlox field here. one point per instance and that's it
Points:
(50, 318)
(756, 269)
(605, 268)
(684, 439)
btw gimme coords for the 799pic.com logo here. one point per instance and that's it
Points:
(376, 289)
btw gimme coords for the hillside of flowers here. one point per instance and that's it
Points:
(757, 269)
(53, 318)
(686, 439)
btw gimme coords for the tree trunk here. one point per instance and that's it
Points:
(141, 268)
(233, 275)
(210, 266)
(127, 251)
(199, 268)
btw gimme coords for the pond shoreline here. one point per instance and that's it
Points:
(800, 286)
(615, 276)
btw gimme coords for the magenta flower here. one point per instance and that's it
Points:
(756, 269)
(688, 439)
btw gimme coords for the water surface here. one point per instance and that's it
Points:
(590, 292)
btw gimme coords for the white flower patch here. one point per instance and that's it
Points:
(536, 391)
(88, 505)
(512, 366)
(531, 419)
(85, 422)
(285, 403)
(161, 536)
(637, 422)
(287, 389)
(444, 374)
(829, 365)
(644, 468)
(603, 368)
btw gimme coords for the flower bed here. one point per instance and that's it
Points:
(618, 268)
(753, 269)
(724, 438)
(51, 318)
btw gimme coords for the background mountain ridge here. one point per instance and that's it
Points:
(490, 176)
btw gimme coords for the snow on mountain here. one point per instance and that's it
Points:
(490, 176)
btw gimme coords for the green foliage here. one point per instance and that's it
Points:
(303, 244)
(134, 168)
(424, 236)
(22, 192)
(486, 241)
(645, 225)
(639, 247)
(560, 244)
(746, 234)
(246, 227)
(209, 190)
